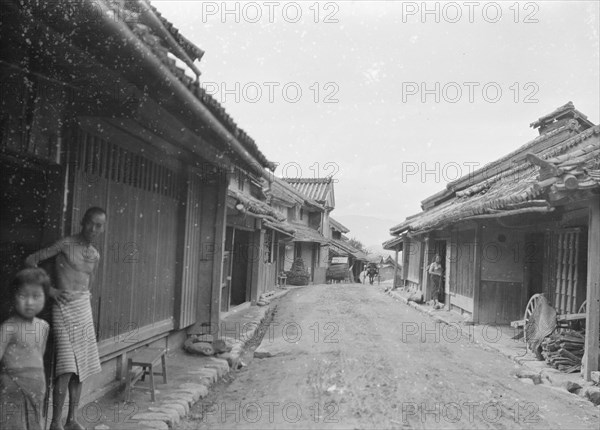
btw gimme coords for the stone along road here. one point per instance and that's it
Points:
(348, 356)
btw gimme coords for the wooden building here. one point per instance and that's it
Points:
(254, 242)
(342, 252)
(524, 224)
(102, 111)
(310, 220)
(396, 244)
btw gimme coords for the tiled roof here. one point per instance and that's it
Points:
(303, 233)
(566, 110)
(283, 191)
(341, 248)
(314, 188)
(129, 13)
(344, 247)
(503, 163)
(338, 225)
(577, 169)
(254, 205)
(281, 226)
(191, 49)
(519, 188)
(393, 243)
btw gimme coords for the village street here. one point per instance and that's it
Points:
(347, 356)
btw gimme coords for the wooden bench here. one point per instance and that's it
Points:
(146, 359)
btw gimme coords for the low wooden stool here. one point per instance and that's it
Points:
(145, 358)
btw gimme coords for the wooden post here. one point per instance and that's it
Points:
(406, 251)
(257, 264)
(424, 262)
(590, 359)
(217, 272)
(395, 268)
(477, 272)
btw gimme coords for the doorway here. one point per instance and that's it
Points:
(439, 248)
(240, 292)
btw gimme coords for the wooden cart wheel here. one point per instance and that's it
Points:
(531, 305)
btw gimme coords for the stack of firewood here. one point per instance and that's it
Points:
(564, 351)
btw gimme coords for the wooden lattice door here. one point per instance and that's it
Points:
(566, 270)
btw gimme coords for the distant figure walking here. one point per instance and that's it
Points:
(372, 271)
(73, 327)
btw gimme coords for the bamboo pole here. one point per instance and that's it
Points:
(558, 285)
(576, 275)
(569, 286)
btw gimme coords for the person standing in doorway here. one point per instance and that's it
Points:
(436, 271)
(73, 327)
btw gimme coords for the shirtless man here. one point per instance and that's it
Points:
(74, 336)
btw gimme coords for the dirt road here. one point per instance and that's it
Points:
(347, 356)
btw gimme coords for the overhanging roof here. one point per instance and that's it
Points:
(253, 205)
(317, 189)
(338, 225)
(519, 189)
(281, 227)
(303, 233)
(131, 39)
(394, 244)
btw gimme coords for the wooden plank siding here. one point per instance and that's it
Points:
(415, 256)
(192, 249)
(462, 262)
(500, 302)
(137, 276)
(502, 296)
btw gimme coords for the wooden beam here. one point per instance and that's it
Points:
(395, 268)
(220, 225)
(425, 263)
(257, 264)
(590, 358)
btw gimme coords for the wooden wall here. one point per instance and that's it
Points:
(462, 260)
(138, 273)
(269, 277)
(500, 302)
(414, 253)
(195, 249)
(502, 296)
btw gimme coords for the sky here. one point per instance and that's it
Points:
(392, 99)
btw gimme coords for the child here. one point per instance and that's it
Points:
(76, 350)
(22, 344)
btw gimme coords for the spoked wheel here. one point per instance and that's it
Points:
(531, 305)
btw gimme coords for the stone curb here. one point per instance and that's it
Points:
(591, 393)
(176, 402)
(432, 315)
